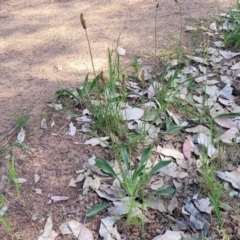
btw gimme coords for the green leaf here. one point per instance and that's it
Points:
(124, 155)
(105, 167)
(137, 172)
(95, 82)
(62, 92)
(232, 114)
(165, 192)
(225, 206)
(145, 155)
(172, 128)
(85, 82)
(81, 93)
(158, 166)
(96, 209)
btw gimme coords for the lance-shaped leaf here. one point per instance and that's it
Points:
(105, 167)
(158, 166)
(124, 155)
(145, 155)
(165, 192)
(96, 209)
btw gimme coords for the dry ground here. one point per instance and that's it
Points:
(36, 37)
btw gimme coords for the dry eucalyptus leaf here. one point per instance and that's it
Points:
(157, 204)
(36, 178)
(198, 129)
(86, 128)
(86, 112)
(80, 177)
(132, 113)
(236, 66)
(121, 51)
(52, 123)
(92, 183)
(226, 92)
(190, 28)
(169, 235)
(118, 209)
(56, 106)
(187, 148)
(20, 180)
(80, 231)
(38, 191)
(232, 177)
(84, 119)
(59, 198)
(204, 205)
(219, 43)
(48, 233)
(65, 229)
(21, 136)
(109, 194)
(152, 89)
(72, 129)
(72, 183)
(156, 185)
(97, 141)
(228, 54)
(170, 170)
(108, 229)
(44, 123)
(206, 141)
(213, 26)
(229, 135)
(197, 59)
(173, 204)
(172, 153)
(228, 122)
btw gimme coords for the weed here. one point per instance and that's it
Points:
(232, 29)
(155, 42)
(80, 95)
(213, 189)
(21, 119)
(134, 181)
(12, 173)
(89, 47)
(4, 219)
(167, 89)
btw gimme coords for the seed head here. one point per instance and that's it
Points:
(83, 21)
(157, 5)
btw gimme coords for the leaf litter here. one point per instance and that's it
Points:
(219, 98)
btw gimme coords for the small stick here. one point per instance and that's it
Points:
(8, 133)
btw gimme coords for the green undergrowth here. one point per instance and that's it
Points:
(3, 219)
(107, 95)
(232, 31)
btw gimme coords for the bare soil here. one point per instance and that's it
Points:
(42, 48)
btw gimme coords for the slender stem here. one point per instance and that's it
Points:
(90, 51)
(155, 43)
(181, 26)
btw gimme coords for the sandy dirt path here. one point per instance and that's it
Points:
(36, 37)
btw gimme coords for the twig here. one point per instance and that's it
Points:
(8, 133)
(62, 127)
